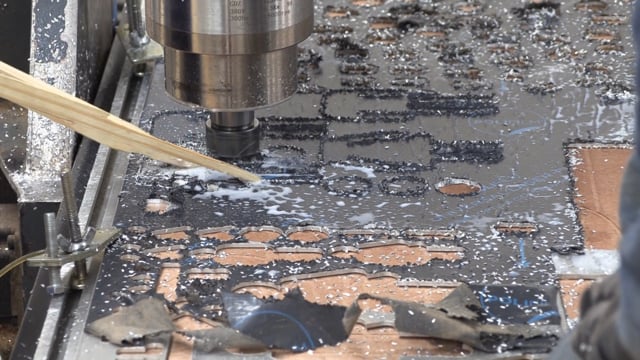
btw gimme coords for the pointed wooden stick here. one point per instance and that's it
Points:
(100, 125)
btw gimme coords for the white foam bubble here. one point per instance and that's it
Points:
(277, 200)
(363, 219)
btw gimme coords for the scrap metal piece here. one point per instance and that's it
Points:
(440, 322)
(250, 284)
(419, 319)
(461, 303)
(509, 355)
(441, 284)
(144, 318)
(376, 319)
(152, 351)
(159, 206)
(220, 338)
(224, 355)
(292, 323)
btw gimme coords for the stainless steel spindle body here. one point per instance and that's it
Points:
(230, 56)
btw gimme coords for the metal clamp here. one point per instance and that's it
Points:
(76, 248)
(54, 258)
(133, 35)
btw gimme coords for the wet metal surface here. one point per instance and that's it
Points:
(484, 95)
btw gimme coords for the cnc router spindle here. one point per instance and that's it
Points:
(232, 57)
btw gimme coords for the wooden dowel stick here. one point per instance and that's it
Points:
(100, 125)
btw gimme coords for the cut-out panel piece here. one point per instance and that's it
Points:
(261, 234)
(177, 233)
(398, 253)
(307, 233)
(342, 287)
(256, 254)
(219, 233)
(458, 187)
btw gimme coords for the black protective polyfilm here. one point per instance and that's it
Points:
(517, 304)
(292, 323)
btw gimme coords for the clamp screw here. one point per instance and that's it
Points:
(51, 236)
